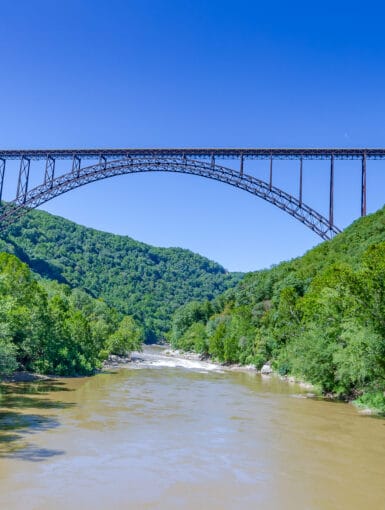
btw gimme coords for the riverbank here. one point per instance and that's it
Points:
(267, 372)
(26, 377)
(195, 360)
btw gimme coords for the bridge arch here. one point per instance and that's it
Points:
(53, 187)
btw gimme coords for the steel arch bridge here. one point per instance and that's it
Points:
(105, 163)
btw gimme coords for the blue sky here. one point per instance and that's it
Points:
(193, 73)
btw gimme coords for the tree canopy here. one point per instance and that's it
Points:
(137, 279)
(49, 328)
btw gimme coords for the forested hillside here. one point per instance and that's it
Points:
(46, 327)
(320, 317)
(137, 279)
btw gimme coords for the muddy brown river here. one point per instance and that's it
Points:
(168, 433)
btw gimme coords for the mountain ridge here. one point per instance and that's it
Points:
(147, 282)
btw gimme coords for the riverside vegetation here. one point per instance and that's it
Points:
(320, 317)
(46, 327)
(70, 295)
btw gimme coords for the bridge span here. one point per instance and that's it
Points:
(90, 165)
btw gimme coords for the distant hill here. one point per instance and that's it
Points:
(137, 279)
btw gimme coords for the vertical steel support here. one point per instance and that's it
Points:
(271, 172)
(331, 192)
(363, 185)
(76, 161)
(241, 166)
(212, 161)
(22, 183)
(300, 180)
(2, 174)
(49, 174)
(103, 162)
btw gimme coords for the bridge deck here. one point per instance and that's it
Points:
(225, 153)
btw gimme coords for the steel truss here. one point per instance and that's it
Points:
(198, 153)
(55, 186)
(2, 175)
(22, 183)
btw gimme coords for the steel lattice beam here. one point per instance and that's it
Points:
(197, 153)
(105, 169)
(2, 175)
(49, 173)
(76, 165)
(22, 183)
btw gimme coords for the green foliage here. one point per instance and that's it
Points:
(310, 356)
(128, 337)
(372, 400)
(320, 317)
(137, 279)
(360, 357)
(8, 363)
(185, 316)
(216, 340)
(49, 328)
(194, 339)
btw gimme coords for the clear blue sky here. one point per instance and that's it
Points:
(193, 73)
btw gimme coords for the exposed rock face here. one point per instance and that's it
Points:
(266, 369)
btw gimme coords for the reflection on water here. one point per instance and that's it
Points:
(171, 433)
(16, 424)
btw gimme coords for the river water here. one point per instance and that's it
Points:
(167, 433)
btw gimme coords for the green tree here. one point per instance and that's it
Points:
(8, 362)
(128, 337)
